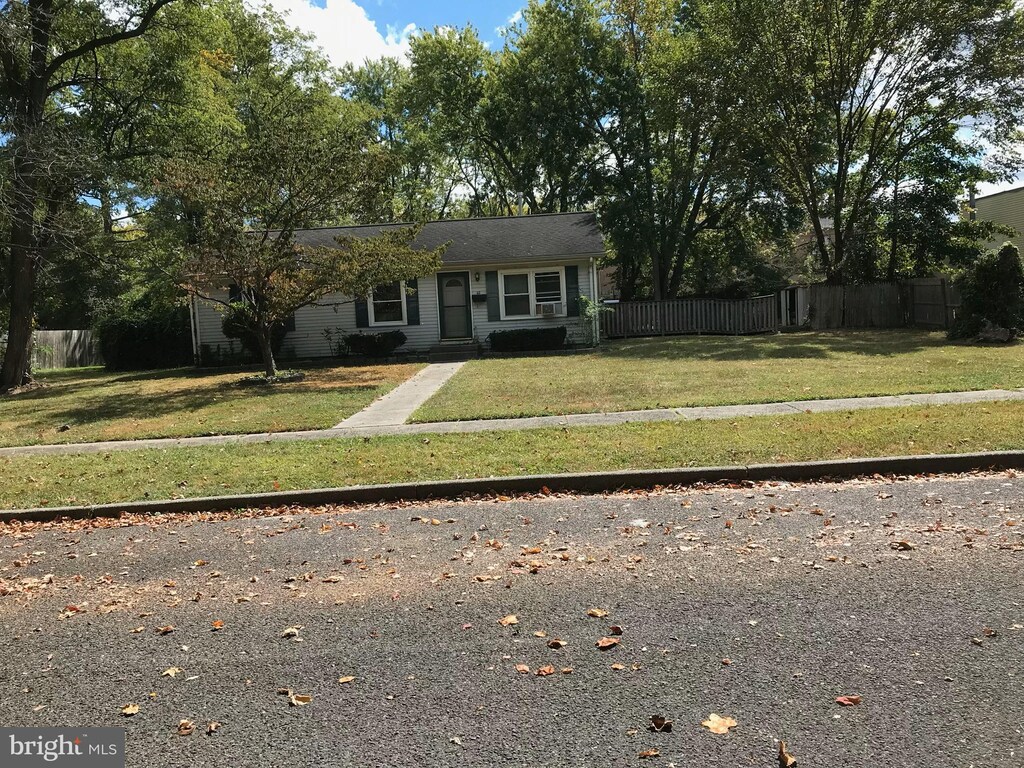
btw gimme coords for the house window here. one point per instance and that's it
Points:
(533, 293)
(387, 304)
(516, 295)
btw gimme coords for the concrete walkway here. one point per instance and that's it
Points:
(398, 405)
(347, 430)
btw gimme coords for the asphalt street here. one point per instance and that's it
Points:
(762, 604)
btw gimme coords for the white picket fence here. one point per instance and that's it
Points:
(683, 316)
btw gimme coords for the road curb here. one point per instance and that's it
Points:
(592, 482)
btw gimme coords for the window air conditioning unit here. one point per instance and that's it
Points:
(549, 308)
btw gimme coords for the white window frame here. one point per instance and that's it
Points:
(405, 308)
(532, 283)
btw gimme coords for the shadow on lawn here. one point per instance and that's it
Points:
(776, 346)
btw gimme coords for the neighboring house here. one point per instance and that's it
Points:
(1006, 208)
(497, 274)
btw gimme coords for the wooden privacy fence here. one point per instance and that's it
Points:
(875, 305)
(65, 349)
(934, 302)
(682, 316)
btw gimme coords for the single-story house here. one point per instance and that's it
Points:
(497, 274)
(1006, 208)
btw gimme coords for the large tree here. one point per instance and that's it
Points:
(845, 92)
(48, 50)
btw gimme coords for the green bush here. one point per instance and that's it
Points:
(236, 325)
(528, 339)
(143, 335)
(993, 290)
(374, 344)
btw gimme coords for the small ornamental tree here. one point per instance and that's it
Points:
(294, 155)
(993, 291)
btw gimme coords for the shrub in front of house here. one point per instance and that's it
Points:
(993, 297)
(528, 339)
(374, 344)
(142, 334)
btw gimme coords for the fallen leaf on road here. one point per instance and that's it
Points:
(618, 667)
(186, 728)
(545, 671)
(786, 760)
(660, 724)
(607, 642)
(718, 724)
(726, 662)
(597, 613)
(989, 632)
(217, 625)
(566, 670)
(902, 546)
(291, 631)
(212, 727)
(522, 669)
(171, 672)
(299, 699)
(130, 709)
(848, 701)
(615, 629)
(557, 643)
(649, 753)
(509, 620)
(540, 633)
(346, 679)
(137, 630)
(165, 630)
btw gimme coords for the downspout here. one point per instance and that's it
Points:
(595, 295)
(193, 314)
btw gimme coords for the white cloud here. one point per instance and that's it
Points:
(345, 31)
(514, 19)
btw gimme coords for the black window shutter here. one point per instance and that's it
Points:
(412, 302)
(362, 314)
(493, 300)
(572, 291)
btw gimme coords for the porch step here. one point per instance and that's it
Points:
(453, 353)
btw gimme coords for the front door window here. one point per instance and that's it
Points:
(454, 307)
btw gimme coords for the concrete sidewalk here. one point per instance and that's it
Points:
(398, 405)
(347, 430)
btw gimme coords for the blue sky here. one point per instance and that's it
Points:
(485, 15)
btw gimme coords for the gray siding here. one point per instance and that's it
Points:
(307, 340)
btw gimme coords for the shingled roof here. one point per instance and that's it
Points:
(492, 240)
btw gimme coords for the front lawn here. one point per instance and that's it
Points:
(724, 370)
(31, 481)
(94, 405)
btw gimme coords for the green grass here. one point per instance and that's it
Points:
(724, 370)
(159, 474)
(96, 405)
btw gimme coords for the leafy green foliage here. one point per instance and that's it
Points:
(528, 339)
(993, 292)
(374, 344)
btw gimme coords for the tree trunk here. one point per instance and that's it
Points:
(267, 350)
(16, 368)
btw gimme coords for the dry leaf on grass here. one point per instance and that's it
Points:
(186, 727)
(848, 701)
(718, 724)
(649, 753)
(607, 642)
(786, 760)
(130, 709)
(545, 671)
(597, 613)
(509, 620)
